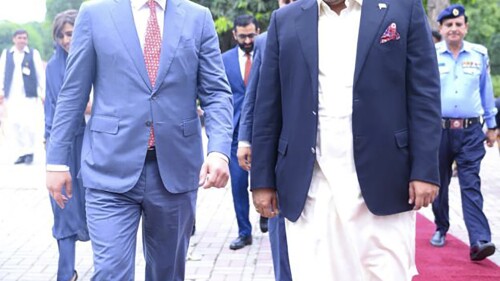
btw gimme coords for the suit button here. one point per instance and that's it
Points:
(154, 97)
(314, 113)
(148, 123)
(313, 150)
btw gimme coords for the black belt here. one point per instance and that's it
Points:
(151, 154)
(459, 123)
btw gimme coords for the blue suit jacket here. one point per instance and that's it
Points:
(246, 119)
(232, 66)
(396, 106)
(125, 103)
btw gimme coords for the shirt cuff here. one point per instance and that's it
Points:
(57, 168)
(219, 155)
(491, 123)
(244, 144)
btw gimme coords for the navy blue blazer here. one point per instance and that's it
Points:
(396, 106)
(233, 72)
(246, 119)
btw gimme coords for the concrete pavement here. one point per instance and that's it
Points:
(29, 253)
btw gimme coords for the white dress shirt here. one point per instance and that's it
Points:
(242, 59)
(140, 12)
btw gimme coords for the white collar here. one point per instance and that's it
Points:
(138, 4)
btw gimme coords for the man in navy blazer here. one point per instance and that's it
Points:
(346, 135)
(126, 177)
(277, 233)
(237, 62)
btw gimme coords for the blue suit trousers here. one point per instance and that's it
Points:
(466, 147)
(239, 188)
(167, 221)
(279, 248)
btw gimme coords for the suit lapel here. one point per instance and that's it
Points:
(371, 18)
(172, 30)
(124, 23)
(306, 24)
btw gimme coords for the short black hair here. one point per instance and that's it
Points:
(19, 32)
(244, 20)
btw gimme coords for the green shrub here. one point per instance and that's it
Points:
(496, 85)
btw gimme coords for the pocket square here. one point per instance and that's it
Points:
(390, 33)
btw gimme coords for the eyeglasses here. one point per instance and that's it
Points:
(245, 36)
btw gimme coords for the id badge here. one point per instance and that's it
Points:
(26, 71)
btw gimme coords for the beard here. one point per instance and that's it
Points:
(247, 48)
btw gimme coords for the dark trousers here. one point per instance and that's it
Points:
(466, 147)
(66, 264)
(279, 248)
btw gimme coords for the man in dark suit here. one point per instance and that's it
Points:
(346, 135)
(142, 154)
(238, 62)
(277, 233)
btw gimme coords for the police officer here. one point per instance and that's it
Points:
(466, 100)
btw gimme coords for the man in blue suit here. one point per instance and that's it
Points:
(238, 62)
(142, 154)
(346, 135)
(277, 233)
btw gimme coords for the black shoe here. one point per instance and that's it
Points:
(481, 250)
(438, 239)
(20, 160)
(28, 158)
(263, 224)
(241, 242)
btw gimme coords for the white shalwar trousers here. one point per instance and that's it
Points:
(22, 119)
(337, 238)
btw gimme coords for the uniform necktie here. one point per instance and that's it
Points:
(152, 48)
(248, 66)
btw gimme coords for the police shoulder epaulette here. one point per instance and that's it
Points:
(479, 48)
(440, 46)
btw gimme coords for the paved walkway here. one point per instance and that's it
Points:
(29, 253)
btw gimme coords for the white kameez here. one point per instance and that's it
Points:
(23, 113)
(337, 238)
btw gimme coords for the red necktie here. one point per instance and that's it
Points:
(152, 48)
(248, 66)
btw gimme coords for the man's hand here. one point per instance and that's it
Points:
(214, 172)
(422, 194)
(265, 201)
(491, 137)
(55, 183)
(1, 99)
(244, 157)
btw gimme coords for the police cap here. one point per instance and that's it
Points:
(452, 11)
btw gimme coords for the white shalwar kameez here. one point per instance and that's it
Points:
(337, 238)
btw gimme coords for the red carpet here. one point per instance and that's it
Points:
(451, 262)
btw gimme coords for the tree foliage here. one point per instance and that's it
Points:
(56, 6)
(224, 12)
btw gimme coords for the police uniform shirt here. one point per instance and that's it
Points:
(466, 88)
